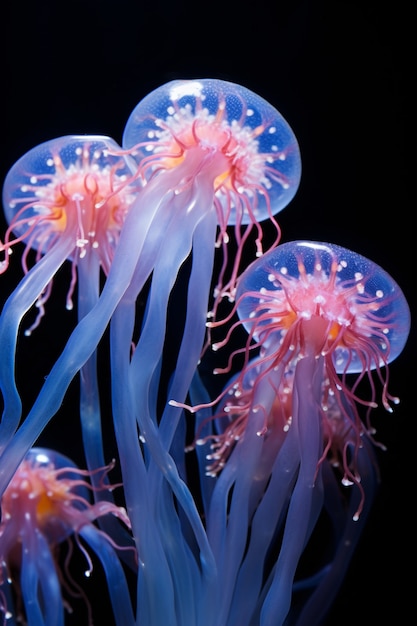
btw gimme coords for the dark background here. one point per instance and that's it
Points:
(343, 75)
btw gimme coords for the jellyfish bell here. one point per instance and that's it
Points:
(226, 155)
(205, 120)
(67, 188)
(366, 316)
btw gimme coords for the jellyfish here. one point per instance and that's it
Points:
(46, 505)
(321, 321)
(55, 200)
(218, 155)
(210, 154)
(65, 200)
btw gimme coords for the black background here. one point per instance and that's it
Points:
(343, 75)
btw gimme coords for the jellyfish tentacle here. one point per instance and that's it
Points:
(144, 362)
(30, 582)
(148, 351)
(229, 537)
(116, 580)
(188, 356)
(347, 537)
(194, 330)
(307, 422)
(203, 426)
(188, 582)
(18, 303)
(267, 522)
(50, 588)
(90, 412)
(90, 407)
(155, 589)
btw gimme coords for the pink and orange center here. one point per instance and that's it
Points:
(233, 146)
(299, 303)
(83, 193)
(37, 490)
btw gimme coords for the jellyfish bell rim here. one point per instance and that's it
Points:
(141, 123)
(45, 457)
(256, 277)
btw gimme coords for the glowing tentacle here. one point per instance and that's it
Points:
(268, 518)
(307, 422)
(347, 537)
(227, 529)
(116, 580)
(18, 303)
(90, 409)
(41, 591)
(155, 596)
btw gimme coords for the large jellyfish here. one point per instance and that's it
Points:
(45, 505)
(209, 154)
(288, 428)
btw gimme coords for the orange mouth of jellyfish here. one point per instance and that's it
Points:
(234, 147)
(318, 305)
(73, 190)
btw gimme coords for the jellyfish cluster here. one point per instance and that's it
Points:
(227, 491)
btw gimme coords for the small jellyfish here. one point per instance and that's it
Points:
(45, 505)
(66, 199)
(322, 320)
